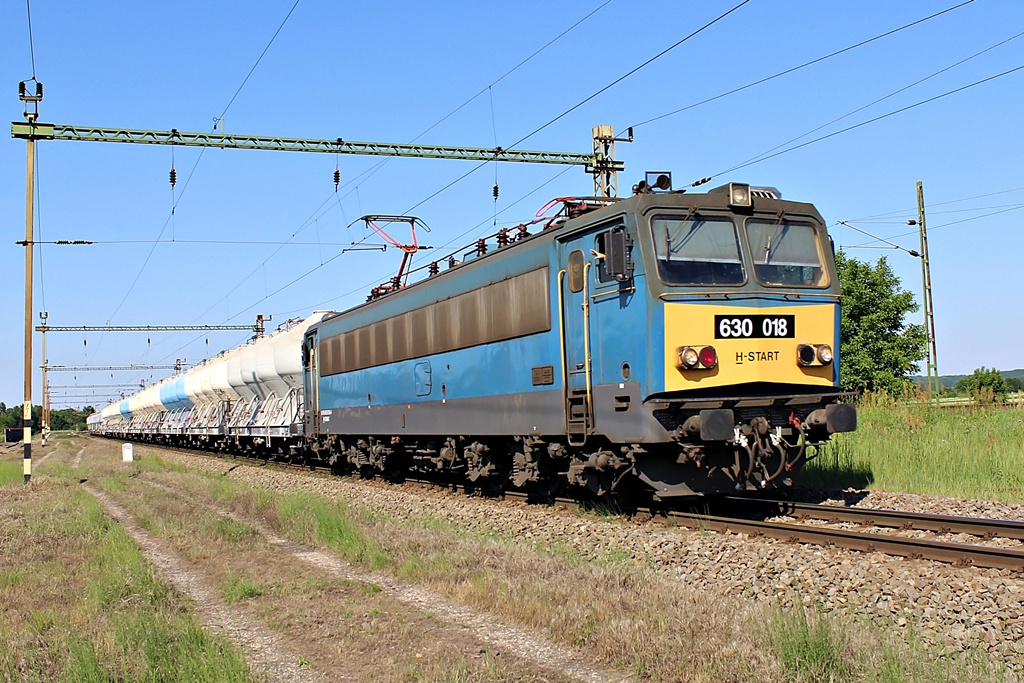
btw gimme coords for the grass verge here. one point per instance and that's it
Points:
(622, 614)
(78, 602)
(11, 473)
(916, 447)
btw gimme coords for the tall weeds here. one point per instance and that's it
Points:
(914, 446)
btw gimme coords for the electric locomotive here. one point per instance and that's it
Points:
(681, 343)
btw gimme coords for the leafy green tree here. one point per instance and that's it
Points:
(878, 348)
(70, 418)
(1015, 383)
(11, 417)
(984, 384)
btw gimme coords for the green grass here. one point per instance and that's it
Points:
(90, 607)
(57, 469)
(921, 448)
(235, 588)
(152, 462)
(230, 530)
(11, 473)
(809, 649)
(313, 518)
(817, 648)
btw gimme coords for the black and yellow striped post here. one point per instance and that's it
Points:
(31, 114)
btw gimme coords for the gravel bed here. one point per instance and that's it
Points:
(949, 607)
(937, 505)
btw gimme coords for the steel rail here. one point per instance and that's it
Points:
(960, 554)
(898, 519)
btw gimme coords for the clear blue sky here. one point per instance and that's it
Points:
(389, 71)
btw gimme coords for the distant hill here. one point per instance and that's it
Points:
(951, 380)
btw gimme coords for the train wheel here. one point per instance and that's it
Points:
(545, 489)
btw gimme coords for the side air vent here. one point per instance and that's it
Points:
(765, 192)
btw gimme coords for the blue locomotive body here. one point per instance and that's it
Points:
(560, 358)
(679, 343)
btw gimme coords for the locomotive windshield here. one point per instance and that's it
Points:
(698, 250)
(786, 253)
(705, 250)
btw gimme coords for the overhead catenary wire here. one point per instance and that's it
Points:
(582, 102)
(945, 203)
(801, 66)
(258, 60)
(188, 179)
(865, 123)
(524, 138)
(441, 247)
(757, 157)
(932, 227)
(31, 41)
(235, 243)
(893, 220)
(367, 174)
(634, 70)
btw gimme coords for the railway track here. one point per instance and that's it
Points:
(960, 554)
(739, 510)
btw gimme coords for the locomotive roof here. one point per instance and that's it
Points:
(764, 201)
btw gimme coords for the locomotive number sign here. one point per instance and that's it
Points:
(755, 327)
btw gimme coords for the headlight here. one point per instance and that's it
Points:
(805, 354)
(688, 358)
(739, 195)
(824, 354)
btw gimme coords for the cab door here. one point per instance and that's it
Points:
(576, 343)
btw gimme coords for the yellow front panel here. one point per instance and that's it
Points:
(743, 360)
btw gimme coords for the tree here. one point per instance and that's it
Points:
(12, 416)
(878, 349)
(984, 384)
(70, 418)
(1014, 383)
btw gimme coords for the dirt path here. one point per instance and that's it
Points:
(482, 627)
(264, 652)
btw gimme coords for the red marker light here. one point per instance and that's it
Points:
(708, 357)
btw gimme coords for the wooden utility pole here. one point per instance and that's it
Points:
(932, 385)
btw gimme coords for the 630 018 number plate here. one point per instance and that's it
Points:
(755, 326)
